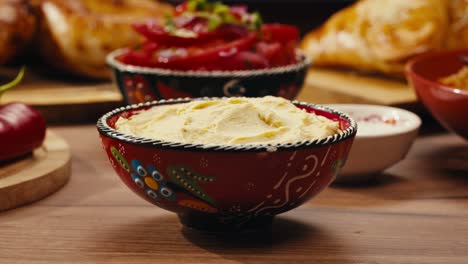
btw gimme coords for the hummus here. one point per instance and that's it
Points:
(229, 121)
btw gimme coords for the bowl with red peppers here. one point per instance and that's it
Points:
(209, 49)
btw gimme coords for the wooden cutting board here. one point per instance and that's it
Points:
(35, 176)
(335, 86)
(60, 99)
(70, 100)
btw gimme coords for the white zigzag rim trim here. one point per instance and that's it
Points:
(108, 131)
(303, 62)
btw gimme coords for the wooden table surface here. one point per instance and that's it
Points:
(416, 212)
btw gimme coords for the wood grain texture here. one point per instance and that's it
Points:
(63, 99)
(43, 88)
(35, 176)
(360, 88)
(415, 212)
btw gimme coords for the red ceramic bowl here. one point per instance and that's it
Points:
(447, 104)
(222, 187)
(141, 84)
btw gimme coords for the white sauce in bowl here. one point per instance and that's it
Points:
(377, 120)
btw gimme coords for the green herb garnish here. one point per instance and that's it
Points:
(248, 64)
(216, 14)
(195, 5)
(169, 24)
(256, 21)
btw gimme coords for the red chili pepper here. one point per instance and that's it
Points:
(22, 128)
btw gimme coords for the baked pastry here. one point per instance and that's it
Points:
(17, 27)
(382, 35)
(76, 35)
(458, 25)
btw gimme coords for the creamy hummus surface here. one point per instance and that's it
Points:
(229, 121)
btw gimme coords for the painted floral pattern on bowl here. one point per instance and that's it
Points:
(137, 89)
(140, 84)
(230, 187)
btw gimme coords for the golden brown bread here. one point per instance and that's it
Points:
(17, 27)
(382, 35)
(458, 24)
(76, 35)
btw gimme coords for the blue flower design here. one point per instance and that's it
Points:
(152, 181)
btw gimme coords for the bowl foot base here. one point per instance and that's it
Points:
(356, 179)
(217, 224)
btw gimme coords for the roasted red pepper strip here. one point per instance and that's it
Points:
(206, 35)
(211, 56)
(156, 33)
(22, 128)
(279, 33)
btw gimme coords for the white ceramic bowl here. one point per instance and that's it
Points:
(384, 137)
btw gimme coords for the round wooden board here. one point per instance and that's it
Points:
(360, 88)
(35, 176)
